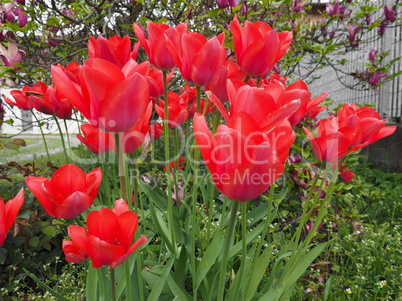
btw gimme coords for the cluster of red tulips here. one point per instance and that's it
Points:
(245, 154)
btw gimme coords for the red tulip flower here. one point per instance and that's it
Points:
(258, 47)
(72, 71)
(112, 99)
(45, 100)
(22, 98)
(133, 138)
(333, 142)
(155, 130)
(68, 193)
(155, 81)
(155, 47)
(372, 128)
(244, 157)
(8, 213)
(198, 59)
(109, 237)
(346, 174)
(172, 165)
(267, 105)
(116, 50)
(299, 90)
(73, 253)
(229, 70)
(177, 109)
(96, 141)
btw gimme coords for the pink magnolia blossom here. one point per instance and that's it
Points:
(11, 55)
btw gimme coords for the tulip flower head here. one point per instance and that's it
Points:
(116, 50)
(346, 174)
(198, 59)
(248, 154)
(8, 213)
(112, 99)
(109, 237)
(96, 141)
(68, 193)
(155, 130)
(258, 47)
(156, 47)
(177, 109)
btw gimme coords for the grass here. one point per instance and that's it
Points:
(34, 149)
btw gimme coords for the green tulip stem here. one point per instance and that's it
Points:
(106, 181)
(228, 240)
(194, 205)
(68, 136)
(168, 175)
(113, 282)
(62, 138)
(122, 174)
(43, 135)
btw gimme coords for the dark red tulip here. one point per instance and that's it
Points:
(198, 59)
(258, 47)
(346, 174)
(155, 46)
(155, 130)
(109, 237)
(177, 109)
(21, 99)
(68, 193)
(8, 214)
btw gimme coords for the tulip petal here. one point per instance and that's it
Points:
(73, 206)
(35, 185)
(116, 113)
(130, 251)
(68, 179)
(92, 182)
(127, 225)
(103, 253)
(102, 224)
(12, 208)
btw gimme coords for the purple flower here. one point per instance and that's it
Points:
(351, 35)
(334, 9)
(382, 27)
(233, 3)
(376, 77)
(372, 54)
(298, 6)
(332, 33)
(12, 55)
(368, 19)
(222, 3)
(1, 112)
(389, 13)
(309, 227)
(244, 9)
